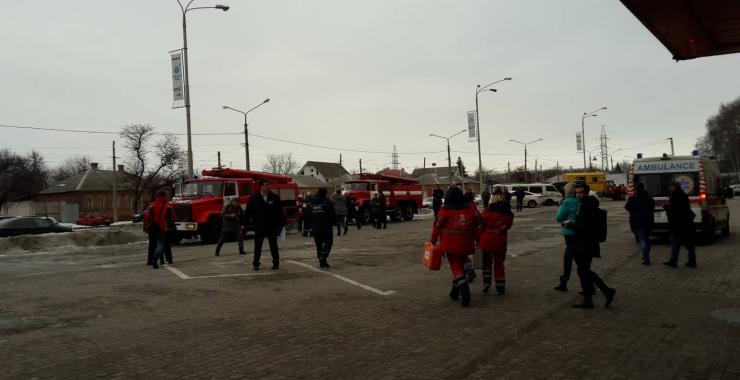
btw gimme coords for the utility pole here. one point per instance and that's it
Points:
(115, 192)
(340, 159)
(424, 168)
(508, 171)
(360, 165)
(672, 152)
(219, 160)
(557, 169)
(535, 169)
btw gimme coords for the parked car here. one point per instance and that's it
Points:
(94, 220)
(735, 189)
(138, 217)
(30, 225)
(6, 217)
(531, 200)
(427, 202)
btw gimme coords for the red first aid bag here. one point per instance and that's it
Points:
(432, 257)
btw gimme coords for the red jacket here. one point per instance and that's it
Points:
(158, 212)
(494, 227)
(456, 230)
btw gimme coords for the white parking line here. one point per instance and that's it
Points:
(345, 279)
(184, 276)
(178, 273)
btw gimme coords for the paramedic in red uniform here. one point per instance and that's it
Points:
(456, 228)
(495, 224)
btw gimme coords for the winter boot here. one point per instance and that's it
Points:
(587, 303)
(609, 294)
(563, 287)
(501, 287)
(487, 280)
(469, 272)
(670, 263)
(465, 294)
(454, 293)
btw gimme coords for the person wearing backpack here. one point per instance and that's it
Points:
(589, 231)
(641, 207)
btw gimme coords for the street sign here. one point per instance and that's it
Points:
(472, 130)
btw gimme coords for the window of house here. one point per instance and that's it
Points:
(101, 203)
(88, 203)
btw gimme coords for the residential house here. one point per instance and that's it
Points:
(90, 192)
(395, 173)
(308, 185)
(436, 170)
(324, 171)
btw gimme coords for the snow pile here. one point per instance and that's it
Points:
(93, 237)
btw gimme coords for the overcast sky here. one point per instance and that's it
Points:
(363, 75)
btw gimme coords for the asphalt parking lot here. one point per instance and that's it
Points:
(377, 313)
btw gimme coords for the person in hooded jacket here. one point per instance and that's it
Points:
(641, 207)
(323, 218)
(567, 214)
(161, 219)
(340, 206)
(496, 221)
(456, 228)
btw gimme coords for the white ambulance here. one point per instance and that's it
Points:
(700, 180)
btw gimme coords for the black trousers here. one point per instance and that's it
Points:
(324, 241)
(152, 248)
(259, 238)
(588, 277)
(225, 234)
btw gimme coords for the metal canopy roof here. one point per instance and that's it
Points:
(691, 28)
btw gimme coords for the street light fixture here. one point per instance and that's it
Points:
(185, 62)
(478, 90)
(526, 173)
(449, 158)
(246, 131)
(611, 157)
(583, 131)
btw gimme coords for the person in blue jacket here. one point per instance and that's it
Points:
(567, 213)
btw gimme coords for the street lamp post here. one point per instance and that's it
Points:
(478, 90)
(673, 153)
(583, 131)
(246, 131)
(611, 157)
(185, 62)
(449, 158)
(526, 174)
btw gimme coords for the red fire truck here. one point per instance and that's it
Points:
(403, 195)
(198, 202)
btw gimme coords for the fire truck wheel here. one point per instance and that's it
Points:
(212, 231)
(396, 215)
(408, 213)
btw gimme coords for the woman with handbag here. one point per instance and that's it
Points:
(496, 221)
(456, 228)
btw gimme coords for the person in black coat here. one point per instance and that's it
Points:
(641, 207)
(586, 247)
(266, 213)
(437, 196)
(323, 218)
(380, 218)
(520, 194)
(680, 226)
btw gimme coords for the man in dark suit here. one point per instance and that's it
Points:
(266, 213)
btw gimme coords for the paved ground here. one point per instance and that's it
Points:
(102, 313)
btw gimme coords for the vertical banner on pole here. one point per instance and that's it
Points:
(178, 89)
(472, 130)
(579, 142)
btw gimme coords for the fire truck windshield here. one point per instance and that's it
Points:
(199, 188)
(362, 186)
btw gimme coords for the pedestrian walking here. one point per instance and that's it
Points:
(457, 228)
(352, 214)
(566, 215)
(161, 221)
(680, 225)
(496, 221)
(152, 234)
(266, 213)
(323, 219)
(470, 195)
(587, 247)
(381, 220)
(519, 194)
(641, 207)
(340, 206)
(231, 217)
(437, 196)
(307, 216)
(486, 198)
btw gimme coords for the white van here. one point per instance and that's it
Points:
(700, 180)
(549, 194)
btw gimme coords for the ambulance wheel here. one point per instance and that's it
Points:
(726, 228)
(408, 213)
(532, 204)
(709, 233)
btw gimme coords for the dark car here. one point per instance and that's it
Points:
(138, 217)
(30, 226)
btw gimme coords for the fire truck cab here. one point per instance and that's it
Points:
(403, 195)
(700, 180)
(198, 202)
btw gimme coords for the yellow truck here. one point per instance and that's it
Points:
(595, 180)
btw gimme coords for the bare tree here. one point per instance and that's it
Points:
(282, 163)
(21, 176)
(723, 135)
(68, 168)
(148, 166)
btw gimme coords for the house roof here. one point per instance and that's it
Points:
(437, 170)
(691, 28)
(92, 180)
(327, 169)
(306, 181)
(340, 180)
(395, 172)
(431, 179)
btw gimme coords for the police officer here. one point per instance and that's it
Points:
(323, 218)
